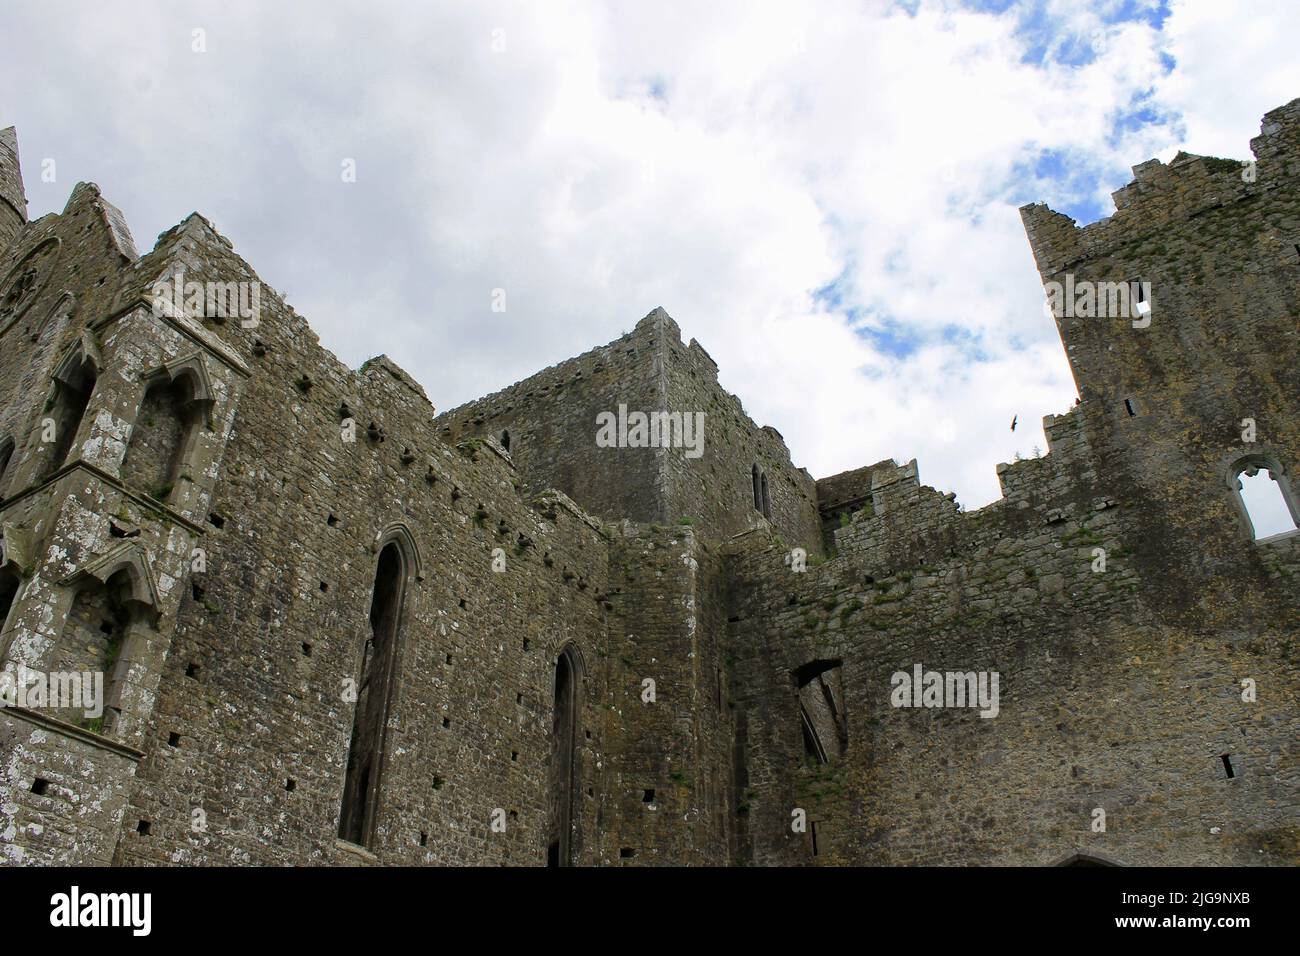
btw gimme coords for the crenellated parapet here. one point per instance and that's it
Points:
(1162, 197)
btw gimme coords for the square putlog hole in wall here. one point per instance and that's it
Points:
(144, 828)
(648, 795)
(40, 786)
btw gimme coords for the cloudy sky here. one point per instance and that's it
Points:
(824, 194)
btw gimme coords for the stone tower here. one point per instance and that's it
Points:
(13, 199)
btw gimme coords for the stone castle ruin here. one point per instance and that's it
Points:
(330, 626)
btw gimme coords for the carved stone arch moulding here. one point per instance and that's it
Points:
(26, 281)
(193, 366)
(401, 534)
(84, 351)
(570, 649)
(130, 557)
(1267, 459)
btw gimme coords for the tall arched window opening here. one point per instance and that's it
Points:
(362, 785)
(564, 737)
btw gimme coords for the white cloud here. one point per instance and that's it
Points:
(722, 160)
(1235, 63)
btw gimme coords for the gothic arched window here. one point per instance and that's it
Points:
(1264, 497)
(564, 766)
(374, 693)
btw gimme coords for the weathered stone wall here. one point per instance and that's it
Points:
(63, 792)
(551, 421)
(1103, 704)
(73, 526)
(1124, 690)
(1171, 400)
(254, 684)
(840, 496)
(668, 789)
(1116, 588)
(715, 490)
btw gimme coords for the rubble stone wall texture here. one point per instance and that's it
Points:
(614, 656)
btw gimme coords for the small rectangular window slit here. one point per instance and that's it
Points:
(1227, 765)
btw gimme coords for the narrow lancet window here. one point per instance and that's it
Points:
(362, 786)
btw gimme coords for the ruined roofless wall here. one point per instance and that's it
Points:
(245, 730)
(1121, 689)
(1116, 588)
(551, 421)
